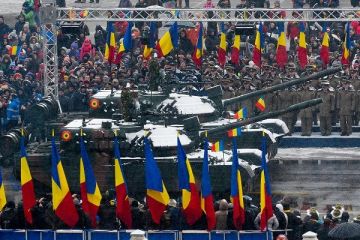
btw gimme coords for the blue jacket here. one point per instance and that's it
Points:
(13, 109)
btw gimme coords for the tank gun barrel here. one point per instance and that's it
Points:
(281, 86)
(292, 108)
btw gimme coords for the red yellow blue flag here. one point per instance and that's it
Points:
(152, 40)
(123, 210)
(259, 45)
(222, 46)
(126, 43)
(302, 53)
(207, 202)
(234, 132)
(157, 197)
(62, 201)
(27, 183)
(324, 50)
(218, 146)
(241, 114)
(110, 46)
(260, 104)
(266, 211)
(168, 41)
(198, 53)
(236, 190)
(345, 59)
(281, 54)
(191, 204)
(90, 192)
(235, 50)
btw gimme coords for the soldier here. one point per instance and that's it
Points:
(286, 99)
(326, 93)
(346, 106)
(306, 115)
(246, 88)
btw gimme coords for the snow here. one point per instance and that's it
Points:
(318, 135)
(162, 136)
(278, 122)
(105, 93)
(94, 123)
(189, 105)
(318, 154)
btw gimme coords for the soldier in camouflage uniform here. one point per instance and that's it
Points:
(346, 106)
(306, 115)
(326, 108)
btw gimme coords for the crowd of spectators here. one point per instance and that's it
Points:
(83, 70)
(285, 220)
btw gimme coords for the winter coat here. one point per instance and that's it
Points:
(346, 102)
(74, 50)
(304, 96)
(211, 43)
(272, 223)
(186, 45)
(13, 110)
(312, 226)
(86, 48)
(222, 215)
(328, 104)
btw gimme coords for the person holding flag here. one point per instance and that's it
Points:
(123, 210)
(207, 202)
(191, 205)
(90, 192)
(157, 197)
(62, 201)
(27, 183)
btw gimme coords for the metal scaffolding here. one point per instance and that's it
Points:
(50, 15)
(156, 13)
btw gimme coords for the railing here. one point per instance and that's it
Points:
(125, 235)
(202, 15)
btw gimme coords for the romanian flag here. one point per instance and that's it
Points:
(346, 47)
(241, 114)
(27, 184)
(236, 190)
(110, 43)
(234, 132)
(266, 210)
(168, 41)
(302, 54)
(157, 197)
(235, 50)
(324, 51)
(218, 146)
(14, 50)
(191, 204)
(259, 45)
(2, 194)
(207, 204)
(281, 54)
(260, 104)
(126, 44)
(123, 211)
(152, 39)
(198, 53)
(62, 201)
(222, 47)
(90, 193)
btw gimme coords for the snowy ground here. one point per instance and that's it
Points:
(318, 154)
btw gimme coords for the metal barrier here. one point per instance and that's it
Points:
(125, 235)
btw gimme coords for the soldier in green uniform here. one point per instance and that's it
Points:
(326, 108)
(306, 115)
(346, 106)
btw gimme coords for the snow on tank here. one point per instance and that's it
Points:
(162, 136)
(188, 105)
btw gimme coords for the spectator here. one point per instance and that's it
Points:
(222, 215)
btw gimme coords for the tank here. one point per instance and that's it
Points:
(162, 115)
(99, 134)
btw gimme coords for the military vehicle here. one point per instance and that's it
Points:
(99, 137)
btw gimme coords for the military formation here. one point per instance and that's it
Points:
(340, 94)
